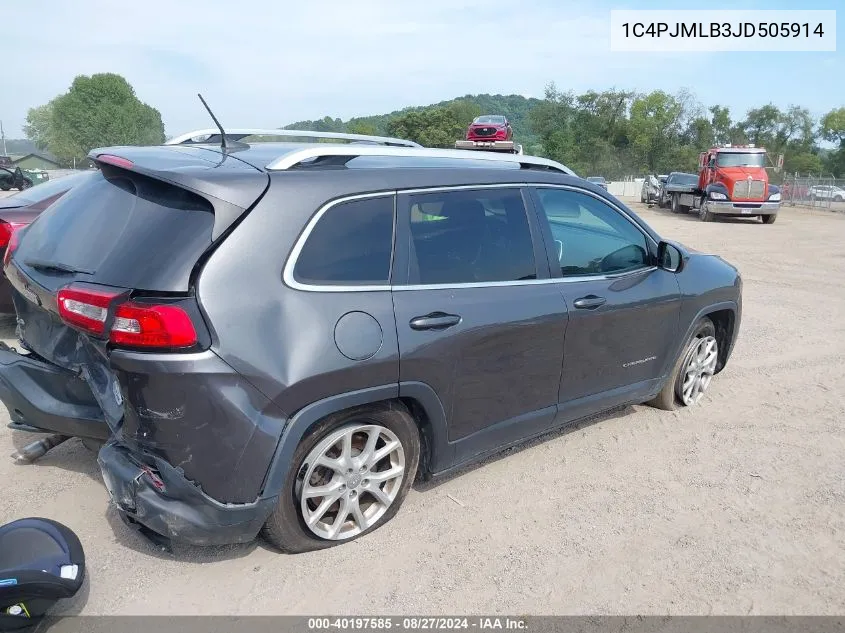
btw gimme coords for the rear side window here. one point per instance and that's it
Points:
(131, 232)
(470, 237)
(351, 244)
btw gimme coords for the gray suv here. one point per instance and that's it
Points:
(281, 337)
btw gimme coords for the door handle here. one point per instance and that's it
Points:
(434, 321)
(589, 302)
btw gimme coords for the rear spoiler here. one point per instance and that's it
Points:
(230, 190)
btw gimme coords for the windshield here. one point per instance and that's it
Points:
(685, 179)
(495, 120)
(740, 159)
(51, 187)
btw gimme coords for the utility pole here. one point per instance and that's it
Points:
(3, 135)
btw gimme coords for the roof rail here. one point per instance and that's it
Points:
(296, 157)
(213, 136)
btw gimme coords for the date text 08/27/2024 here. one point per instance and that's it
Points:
(419, 623)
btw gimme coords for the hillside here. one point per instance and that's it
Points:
(515, 107)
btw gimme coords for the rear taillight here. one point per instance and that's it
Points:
(9, 238)
(144, 325)
(85, 309)
(139, 325)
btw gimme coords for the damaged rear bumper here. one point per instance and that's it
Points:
(43, 397)
(158, 498)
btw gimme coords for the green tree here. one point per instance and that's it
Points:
(438, 126)
(832, 129)
(39, 122)
(655, 130)
(97, 111)
(723, 127)
(361, 126)
(552, 121)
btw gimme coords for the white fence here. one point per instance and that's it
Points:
(626, 188)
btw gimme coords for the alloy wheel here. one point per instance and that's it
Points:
(351, 479)
(699, 368)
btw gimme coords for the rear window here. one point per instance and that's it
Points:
(128, 231)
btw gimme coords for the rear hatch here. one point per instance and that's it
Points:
(112, 265)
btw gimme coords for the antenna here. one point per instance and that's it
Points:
(223, 144)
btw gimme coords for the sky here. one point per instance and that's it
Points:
(267, 63)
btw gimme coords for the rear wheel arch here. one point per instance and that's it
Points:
(417, 399)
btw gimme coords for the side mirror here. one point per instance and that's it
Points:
(669, 257)
(712, 162)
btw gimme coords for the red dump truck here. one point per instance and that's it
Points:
(732, 181)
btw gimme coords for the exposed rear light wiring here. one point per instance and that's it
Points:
(135, 324)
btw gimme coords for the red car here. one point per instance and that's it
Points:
(19, 209)
(490, 127)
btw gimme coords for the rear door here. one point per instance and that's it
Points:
(623, 309)
(476, 316)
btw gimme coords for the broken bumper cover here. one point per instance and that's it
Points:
(41, 396)
(743, 208)
(158, 498)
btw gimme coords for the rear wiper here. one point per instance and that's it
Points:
(56, 267)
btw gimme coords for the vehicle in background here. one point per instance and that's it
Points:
(677, 183)
(14, 178)
(19, 210)
(489, 132)
(5, 161)
(598, 180)
(164, 303)
(826, 192)
(651, 189)
(36, 176)
(732, 182)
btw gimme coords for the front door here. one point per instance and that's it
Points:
(623, 309)
(477, 319)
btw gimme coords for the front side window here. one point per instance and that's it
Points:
(591, 238)
(351, 244)
(470, 237)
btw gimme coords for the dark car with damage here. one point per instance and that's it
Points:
(281, 337)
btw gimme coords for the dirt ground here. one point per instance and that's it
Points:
(734, 507)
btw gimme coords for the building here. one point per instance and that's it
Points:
(35, 160)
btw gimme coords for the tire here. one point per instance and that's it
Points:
(5, 187)
(838, 199)
(286, 528)
(25, 185)
(676, 203)
(669, 398)
(769, 219)
(704, 214)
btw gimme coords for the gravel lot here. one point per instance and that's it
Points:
(734, 507)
